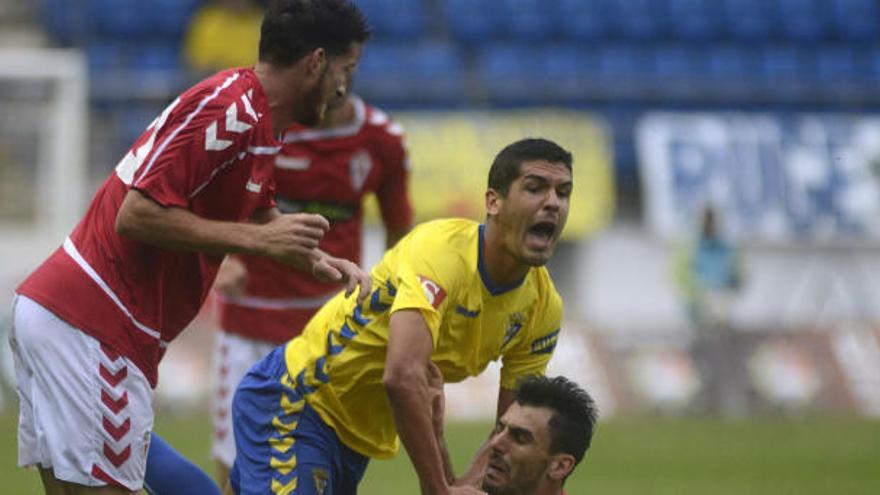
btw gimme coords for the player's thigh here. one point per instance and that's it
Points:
(91, 408)
(265, 414)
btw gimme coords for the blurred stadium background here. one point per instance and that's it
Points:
(769, 110)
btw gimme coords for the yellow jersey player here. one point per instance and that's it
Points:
(459, 294)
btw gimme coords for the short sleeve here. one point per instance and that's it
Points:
(530, 354)
(393, 192)
(187, 146)
(426, 276)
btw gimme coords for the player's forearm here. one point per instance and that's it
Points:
(410, 403)
(142, 219)
(448, 470)
(477, 469)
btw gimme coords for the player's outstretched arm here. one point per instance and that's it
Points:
(290, 239)
(438, 413)
(477, 469)
(409, 393)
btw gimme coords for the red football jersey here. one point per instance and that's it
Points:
(326, 171)
(212, 152)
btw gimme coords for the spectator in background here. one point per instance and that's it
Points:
(223, 34)
(709, 275)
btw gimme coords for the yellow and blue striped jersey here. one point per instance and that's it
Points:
(338, 361)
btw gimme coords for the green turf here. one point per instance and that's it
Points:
(645, 457)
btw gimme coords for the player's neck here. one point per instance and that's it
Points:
(502, 267)
(276, 84)
(338, 117)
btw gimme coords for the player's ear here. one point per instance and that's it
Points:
(316, 61)
(560, 466)
(493, 201)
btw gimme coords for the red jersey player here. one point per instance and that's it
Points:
(91, 323)
(328, 170)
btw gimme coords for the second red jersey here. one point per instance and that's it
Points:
(326, 171)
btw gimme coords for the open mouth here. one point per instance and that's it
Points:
(542, 231)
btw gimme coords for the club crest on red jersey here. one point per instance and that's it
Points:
(433, 291)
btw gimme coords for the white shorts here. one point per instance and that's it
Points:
(233, 357)
(84, 411)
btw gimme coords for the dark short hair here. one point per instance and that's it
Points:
(506, 166)
(294, 28)
(574, 412)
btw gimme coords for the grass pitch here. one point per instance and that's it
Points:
(629, 456)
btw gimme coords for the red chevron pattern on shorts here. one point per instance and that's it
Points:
(116, 420)
(99, 473)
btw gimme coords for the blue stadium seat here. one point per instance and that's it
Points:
(395, 19)
(638, 19)
(839, 64)
(871, 66)
(804, 20)
(564, 70)
(529, 19)
(564, 60)
(695, 20)
(474, 22)
(585, 21)
(856, 20)
(157, 57)
(676, 62)
(170, 18)
(622, 61)
(416, 72)
(731, 64)
(750, 20)
(103, 56)
(510, 70)
(118, 19)
(783, 63)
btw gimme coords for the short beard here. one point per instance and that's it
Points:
(312, 98)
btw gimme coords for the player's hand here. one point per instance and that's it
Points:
(231, 278)
(331, 269)
(292, 238)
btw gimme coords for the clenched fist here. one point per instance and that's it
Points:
(293, 238)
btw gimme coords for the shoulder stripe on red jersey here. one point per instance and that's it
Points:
(246, 100)
(74, 253)
(212, 142)
(229, 80)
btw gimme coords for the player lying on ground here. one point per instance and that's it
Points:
(538, 441)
